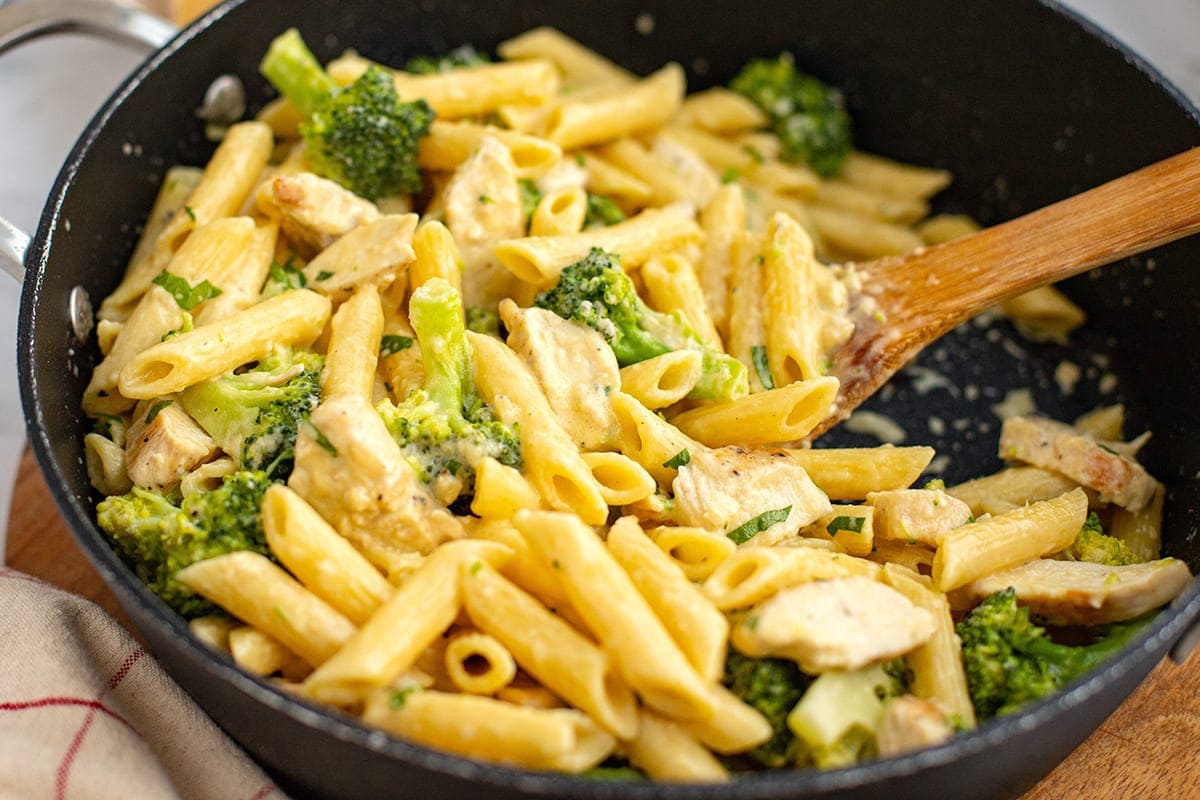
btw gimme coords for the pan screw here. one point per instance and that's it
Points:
(224, 102)
(80, 308)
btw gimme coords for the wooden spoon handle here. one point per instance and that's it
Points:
(1137, 212)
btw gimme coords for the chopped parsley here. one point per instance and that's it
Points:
(186, 295)
(283, 277)
(323, 275)
(602, 211)
(191, 214)
(530, 196)
(188, 325)
(730, 175)
(752, 527)
(678, 460)
(400, 696)
(458, 58)
(155, 409)
(754, 154)
(758, 354)
(324, 442)
(393, 343)
(483, 320)
(846, 523)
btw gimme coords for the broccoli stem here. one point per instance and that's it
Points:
(293, 69)
(721, 377)
(1071, 662)
(435, 311)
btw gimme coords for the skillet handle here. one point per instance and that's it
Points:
(31, 20)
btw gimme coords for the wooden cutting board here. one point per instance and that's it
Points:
(1148, 750)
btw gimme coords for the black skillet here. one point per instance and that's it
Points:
(1025, 103)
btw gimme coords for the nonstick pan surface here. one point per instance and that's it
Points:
(1023, 102)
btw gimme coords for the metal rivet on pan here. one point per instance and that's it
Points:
(224, 102)
(79, 305)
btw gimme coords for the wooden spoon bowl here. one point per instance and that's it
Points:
(910, 300)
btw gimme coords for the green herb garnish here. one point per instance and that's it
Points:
(751, 528)
(758, 354)
(847, 523)
(678, 460)
(324, 442)
(393, 343)
(155, 409)
(186, 295)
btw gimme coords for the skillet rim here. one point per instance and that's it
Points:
(1151, 644)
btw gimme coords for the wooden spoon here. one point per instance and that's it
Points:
(909, 300)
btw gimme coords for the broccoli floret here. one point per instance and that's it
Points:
(464, 56)
(283, 278)
(773, 687)
(808, 116)
(254, 415)
(483, 320)
(596, 292)
(836, 720)
(361, 136)
(444, 428)
(1092, 544)
(531, 195)
(601, 211)
(158, 538)
(1011, 661)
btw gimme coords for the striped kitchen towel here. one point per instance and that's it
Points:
(87, 714)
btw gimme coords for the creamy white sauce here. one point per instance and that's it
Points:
(1016, 403)
(870, 423)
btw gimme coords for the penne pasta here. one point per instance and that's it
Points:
(771, 417)
(560, 213)
(355, 333)
(626, 109)
(1003, 541)
(292, 318)
(550, 650)
(620, 478)
(552, 463)
(467, 92)
(665, 750)
(750, 576)
(449, 144)
(695, 550)
(254, 590)
(672, 286)
(540, 259)
(700, 630)
(663, 380)
(578, 65)
(325, 563)
(480, 727)
(418, 612)
(478, 664)
(603, 594)
(852, 473)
